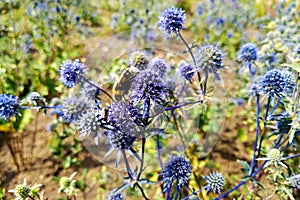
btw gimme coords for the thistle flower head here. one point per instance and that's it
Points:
(274, 155)
(210, 59)
(186, 70)
(90, 121)
(114, 196)
(68, 185)
(276, 82)
(72, 108)
(9, 105)
(283, 123)
(139, 60)
(171, 21)
(248, 52)
(177, 169)
(159, 66)
(23, 191)
(120, 115)
(119, 140)
(71, 73)
(89, 91)
(215, 182)
(148, 84)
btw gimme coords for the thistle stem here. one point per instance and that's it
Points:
(129, 172)
(292, 156)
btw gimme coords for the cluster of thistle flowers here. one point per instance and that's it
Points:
(60, 15)
(218, 19)
(282, 35)
(276, 85)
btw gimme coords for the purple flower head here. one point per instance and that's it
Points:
(9, 105)
(158, 66)
(171, 21)
(71, 73)
(248, 52)
(186, 70)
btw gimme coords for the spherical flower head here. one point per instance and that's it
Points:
(90, 122)
(178, 169)
(71, 73)
(274, 155)
(114, 196)
(90, 92)
(9, 105)
(119, 140)
(215, 182)
(210, 59)
(171, 21)
(120, 116)
(186, 70)
(159, 66)
(139, 60)
(149, 85)
(283, 123)
(72, 108)
(22, 191)
(248, 53)
(276, 82)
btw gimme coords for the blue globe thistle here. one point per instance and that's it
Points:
(119, 140)
(210, 59)
(276, 82)
(248, 53)
(72, 109)
(90, 122)
(215, 182)
(171, 21)
(114, 196)
(177, 169)
(283, 123)
(89, 91)
(186, 70)
(158, 66)
(139, 60)
(120, 116)
(71, 73)
(9, 105)
(149, 85)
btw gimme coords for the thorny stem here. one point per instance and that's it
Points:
(194, 60)
(143, 157)
(129, 172)
(250, 72)
(253, 162)
(194, 193)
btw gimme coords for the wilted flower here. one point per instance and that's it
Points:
(71, 73)
(186, 70)
(177, 169)
(9, 105)
(276, 82)
(215, 182)
(248, 52)
(139, 60)
(171, 20)
(158, 66)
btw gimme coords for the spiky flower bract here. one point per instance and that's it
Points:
(90, 122)
(276, 82)
(9, 105)
(283, 123)
(120, 116)
(23, 191)
(71, 73)
(72, 108)
(186, 70)
(139, 60)
(114, 196)
(210, 59)
(274, 157)
(248, 53)
(119, 140)
(89, 91)
(149, 85)
(171, 21)
(215, 182)
(159, 66)
(177, 172)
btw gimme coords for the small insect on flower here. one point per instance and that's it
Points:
(72, 73)
(171, 21)
(9, 105)
(215, 182)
